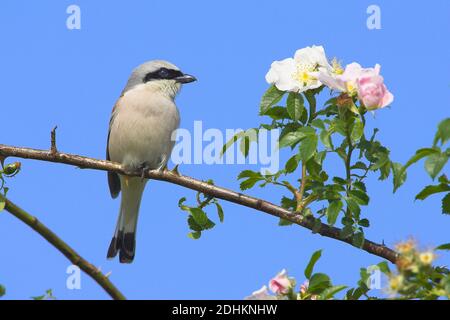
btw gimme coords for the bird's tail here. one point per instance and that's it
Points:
(124, 240)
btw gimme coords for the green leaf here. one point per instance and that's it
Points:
(249, 174)
(181, 205)
(291, 164)
(333, 211)
(295, 105)
(443, 132)
(360, 197)
(446, 204)
(318, 123)
(329, 293)
(318, 283)
(307, 147)
(420, 154)
(312, 261)
(2, 290)
(364, 223)
(435, 163)
(245, 145)
(270, 98)
(357, 130)
(399, 175)
(358, 239)
(199, 216)
(353, 206)
(384, 267)
(291, 139)
(219, 211)
(194, 235)
(230, 142)
(429, 190)
(325, 138)
(445, 246)
(277, 113)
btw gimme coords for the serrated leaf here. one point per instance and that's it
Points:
(399, 175)
(199, 216)
(333, 211)
(357, 131)
(294, 105)
(360, 197)
(325, 138)
(312, 262)
(277, 113)
(353, 206)
(290, 139)
(435, 163)
(318, 283)
(443, 133)
(270, 98)
(429, 190)
(291, 164)
(329, 293)
(307, 147)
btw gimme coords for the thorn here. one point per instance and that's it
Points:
(175, 170)
(108, 274)
(53, 148)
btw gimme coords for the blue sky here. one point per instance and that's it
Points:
(71, 78)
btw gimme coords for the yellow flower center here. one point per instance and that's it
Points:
(337, 66)
(426, 257)
(303, 73)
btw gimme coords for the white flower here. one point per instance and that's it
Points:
(298, 74)
(261, 294)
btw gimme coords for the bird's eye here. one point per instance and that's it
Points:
(163, 73)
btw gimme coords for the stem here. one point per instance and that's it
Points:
(64, 248)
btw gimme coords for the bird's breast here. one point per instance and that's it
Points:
(141, 128)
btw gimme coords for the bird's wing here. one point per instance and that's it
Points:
(113, 178)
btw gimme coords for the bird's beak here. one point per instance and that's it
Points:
(185, 78)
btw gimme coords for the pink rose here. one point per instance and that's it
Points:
(372, 91)
(281, 283)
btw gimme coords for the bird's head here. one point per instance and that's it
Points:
(159, 75)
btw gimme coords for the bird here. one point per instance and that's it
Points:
(139, 138)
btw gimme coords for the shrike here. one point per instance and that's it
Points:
(140, 130)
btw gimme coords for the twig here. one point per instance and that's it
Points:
(64, 248)
(204, 187)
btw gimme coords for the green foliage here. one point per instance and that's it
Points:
(436, 159)
(198, 220)
(48, 295)
(2, 290)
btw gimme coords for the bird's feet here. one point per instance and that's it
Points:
(144, 169)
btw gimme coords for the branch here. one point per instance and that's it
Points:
(64, 248)
(201, 186)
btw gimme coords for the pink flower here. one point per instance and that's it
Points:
(367, 83)
(281, 283)
(304, 287)
(371, 89)
(261, 294)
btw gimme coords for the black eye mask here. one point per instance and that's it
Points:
(162, 74)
